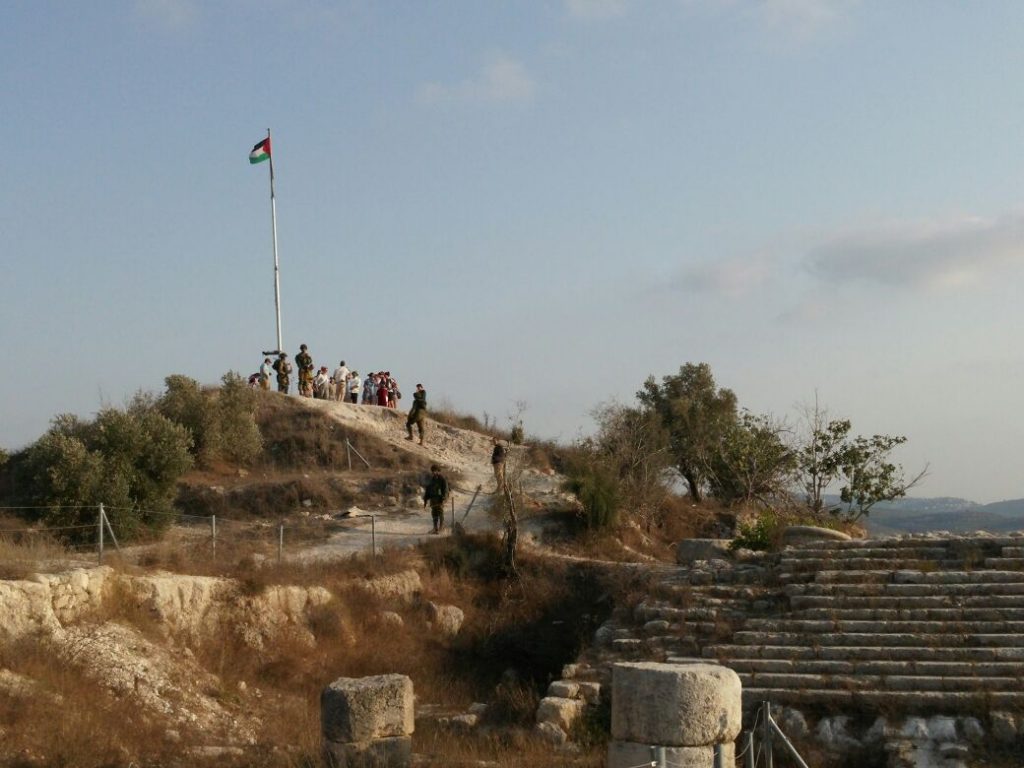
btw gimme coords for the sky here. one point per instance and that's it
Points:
(538, 202)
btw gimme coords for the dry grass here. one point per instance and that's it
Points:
(68, 720)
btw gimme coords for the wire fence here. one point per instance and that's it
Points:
(199, 538)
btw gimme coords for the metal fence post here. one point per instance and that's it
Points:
(662, 759)
(750, 748)
(99, 523)
(767, 738)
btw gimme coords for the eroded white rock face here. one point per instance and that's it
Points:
(152, 676)
(401, 587)
(43, 603)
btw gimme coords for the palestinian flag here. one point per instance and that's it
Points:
(260, 152)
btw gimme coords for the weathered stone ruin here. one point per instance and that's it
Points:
(916, 642)
(367, 722)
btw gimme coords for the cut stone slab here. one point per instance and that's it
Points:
(366, 708)
(394, 752)
(677, 705)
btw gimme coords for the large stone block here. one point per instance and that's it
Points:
(365, 708)
(627, 754)
(561, 712)
(675, 705)
(395, 752)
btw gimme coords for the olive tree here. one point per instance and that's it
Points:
(696, 414)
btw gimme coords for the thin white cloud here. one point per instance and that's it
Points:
(804, 18)
(732, 278)
(922, 255)
(502, 80)
(793, 19)
(170, 14)
(596, 9)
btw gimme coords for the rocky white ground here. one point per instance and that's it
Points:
(465, 456)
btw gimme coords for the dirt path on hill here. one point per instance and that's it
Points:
(466, 458)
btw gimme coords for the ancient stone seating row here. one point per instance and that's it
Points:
(935, 624)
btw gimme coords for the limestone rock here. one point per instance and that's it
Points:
(972, 729)
(689, 550)
(551, 733)
(793, 723)
(561, 712)
(401, 587)
(361, 709)
(1004, 727)
(833, 733)
(590, 693)
(446, 620)
(564, 689)
(796, 534)
(675, 705)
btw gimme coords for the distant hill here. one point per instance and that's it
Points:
(945, 514)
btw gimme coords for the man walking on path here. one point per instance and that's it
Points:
(436, 493)
(498, 463)
(418, 412)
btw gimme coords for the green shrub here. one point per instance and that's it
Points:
(221, 423)
(759, 534)
(598, 489)
(240, 439)
(128, 460)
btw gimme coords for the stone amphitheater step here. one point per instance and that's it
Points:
(894, 589)
(863, 682)
(922, 701)
(884, 553)
(1006, 563)
(908, 614)
(817, 628)
(910, 577)
(1013, 551)
(876, 667)
(909, 602)
(891, 563)
(724, 652)
(910, 542)
(874, 639)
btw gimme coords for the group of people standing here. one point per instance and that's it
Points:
(344, 385)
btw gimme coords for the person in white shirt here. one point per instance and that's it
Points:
(340, 377)
(265, 370)
(352, 388)
(322, 384)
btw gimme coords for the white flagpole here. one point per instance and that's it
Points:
(277, 267)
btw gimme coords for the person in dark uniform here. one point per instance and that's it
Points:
(418, 413)
(305, 362)
(284, 370)
(498, 463)
(435, 494)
